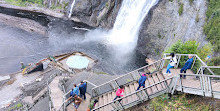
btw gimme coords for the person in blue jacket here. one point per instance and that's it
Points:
(142, 80)
(187, 65)
(82, 88)
(75, 90)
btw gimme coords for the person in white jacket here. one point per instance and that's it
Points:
(172, 63)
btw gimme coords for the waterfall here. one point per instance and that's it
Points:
(71, 9)
(124, 35)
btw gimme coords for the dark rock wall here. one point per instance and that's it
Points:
(164, 26)
(98, 13)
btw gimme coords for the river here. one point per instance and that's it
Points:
(18, 46)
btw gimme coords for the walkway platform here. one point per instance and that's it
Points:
(56, 94)
(83, 106)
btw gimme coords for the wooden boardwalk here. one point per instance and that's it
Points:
(157, 83)
(155, 87)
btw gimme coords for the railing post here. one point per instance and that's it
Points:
(145, 94)
(210, 86)
(114, 84)
(163, 62)
(198, 71)
(64, 104)
(202, 81)
(161, 65)
(118, 105)
(134, 78)
(178, 61)
(181, 84)
(175, 79)
(193, 62)
(139, 96)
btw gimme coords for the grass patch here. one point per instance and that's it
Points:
(16, 2)
(179, 103)
(24, 2)
(180, 11)
(19, 105)
(101, 73)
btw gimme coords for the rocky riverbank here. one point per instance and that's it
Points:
(23, 23)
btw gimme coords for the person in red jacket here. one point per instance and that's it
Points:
(119, 92)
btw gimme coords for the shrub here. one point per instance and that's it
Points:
(205, 51)
(190, 2)
(190, 47)
(24, 2)
(197, 17)
(215, 62)
(180, 9)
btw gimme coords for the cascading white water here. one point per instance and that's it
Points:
(71, 9)
(124, 35)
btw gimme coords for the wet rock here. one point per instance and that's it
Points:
(82, 8)
(28, 100)
(98, 13)
(2, 78)
(164, 26)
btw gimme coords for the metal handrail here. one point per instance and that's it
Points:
(148, 66)
(213, 76)
(205, 84)
(200, 75)
(211, 66)
(133, 93)
(197, 57)
(128, 73)
(78, 85)
(64, 96)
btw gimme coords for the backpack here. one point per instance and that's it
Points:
(71, 93)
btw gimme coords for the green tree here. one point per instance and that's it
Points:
(212, 26)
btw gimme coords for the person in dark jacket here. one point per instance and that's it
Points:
(82, 88)
(142, 80)
(187, 65)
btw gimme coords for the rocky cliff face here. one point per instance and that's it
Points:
(164, 26)
(98, 13)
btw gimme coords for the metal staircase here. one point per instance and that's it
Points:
(156, 84)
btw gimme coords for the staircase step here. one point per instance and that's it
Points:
(147, 83)
(110, 99)
(132, 89)
(128, 91)
(150, 80)
(125, 100)
(156, 80)
(105, 97)
(101, 102)
(160, 76)
(215, 86)
(191, 83)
